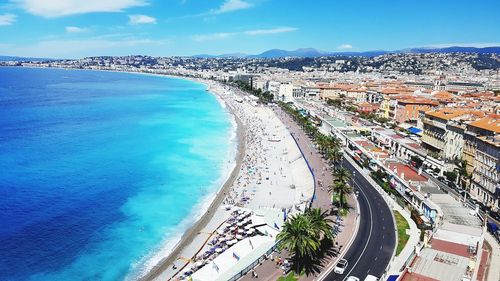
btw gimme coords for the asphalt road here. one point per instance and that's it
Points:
(372, 249)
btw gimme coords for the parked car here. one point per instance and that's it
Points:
(370, 278)
(495, 215)
(340, 266)
(483, 207)
(352, 278)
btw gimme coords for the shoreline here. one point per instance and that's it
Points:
(202, 221)
(254, 131)
(192, 231)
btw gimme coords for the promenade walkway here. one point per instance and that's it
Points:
(268, 270)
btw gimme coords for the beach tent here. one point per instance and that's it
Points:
(228, 265)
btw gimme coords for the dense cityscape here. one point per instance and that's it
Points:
(425, 127)
(240, 140)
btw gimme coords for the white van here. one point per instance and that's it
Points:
(371, 278)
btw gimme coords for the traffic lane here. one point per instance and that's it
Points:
(372, 250)
(361, 240)
(380, 248)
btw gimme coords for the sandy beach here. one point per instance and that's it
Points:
(270, 176)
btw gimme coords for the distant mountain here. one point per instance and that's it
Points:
(455, 49)
(312, 53)
(11, 58)
(278, 53)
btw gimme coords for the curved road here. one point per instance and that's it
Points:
(372, 249)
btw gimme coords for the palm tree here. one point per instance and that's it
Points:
(335, 155)
(298, 237)
(343, 189)
(321, 141)
(342, 174)
(321, 224)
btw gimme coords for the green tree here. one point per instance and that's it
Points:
(321, 224)
(341, 188)
(335, 155)
(298, 237)
(342, 175)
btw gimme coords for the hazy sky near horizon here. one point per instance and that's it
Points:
(78, 28)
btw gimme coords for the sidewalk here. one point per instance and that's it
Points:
(322, 172)
(494, 261)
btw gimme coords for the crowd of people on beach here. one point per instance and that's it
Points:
(264, 171)
(255, 169)
(238, 227)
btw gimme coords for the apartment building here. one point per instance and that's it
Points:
(444, 131)
(406, 109)
(356, 95)
(285, 92)
(482, 152)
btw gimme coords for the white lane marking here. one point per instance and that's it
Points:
(344, 249)
(369, 235)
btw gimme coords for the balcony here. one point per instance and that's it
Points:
(434, 123)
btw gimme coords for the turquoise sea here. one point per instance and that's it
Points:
(101, 172)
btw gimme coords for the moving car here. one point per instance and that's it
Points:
(340, 266)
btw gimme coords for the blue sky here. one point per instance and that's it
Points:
(78, 28)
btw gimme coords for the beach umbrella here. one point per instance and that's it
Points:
(240, 224)
(220, 231)
(222, 239)
(218, 250)
(198, 264)
(251, 231)
(239, 237)
(247, 227)
(232, 228)
(241, 231)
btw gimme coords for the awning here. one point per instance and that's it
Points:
(414, 130)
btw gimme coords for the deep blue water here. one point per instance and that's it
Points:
(98, 170)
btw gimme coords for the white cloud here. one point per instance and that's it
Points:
(232, 5)
(270, 31)
(59, 8)
(7, 19)
(74, 29)
(140, 19)
(255, 32)
(344, 47)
